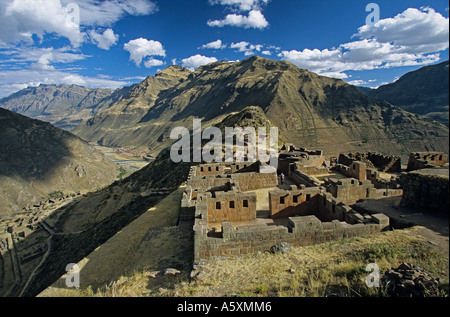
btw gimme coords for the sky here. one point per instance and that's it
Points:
(114, 43)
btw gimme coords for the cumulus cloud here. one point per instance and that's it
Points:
(412, 38)
(247, 48)
(196, 61)
(255, 19)
(21, 19)
(241, 5)
(151, 62)
(216, 45)
(104, 40)
(417, 31)
(141, 48)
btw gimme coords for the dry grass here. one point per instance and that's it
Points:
(117, 256)
(330, 269)
(336, 268)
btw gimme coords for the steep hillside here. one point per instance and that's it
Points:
(65, 106)
(425, 92)
(309, 110)
(119, 124)
(84, 225)
(37, 159)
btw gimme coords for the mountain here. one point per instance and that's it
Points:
(37, 160)
(93, 219)
(310, 110)
(424, 91)
(65, 106)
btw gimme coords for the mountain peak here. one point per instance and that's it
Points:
(173, 70)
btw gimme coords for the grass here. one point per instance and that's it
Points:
(330, 269)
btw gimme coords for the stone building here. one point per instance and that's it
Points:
(228, 222)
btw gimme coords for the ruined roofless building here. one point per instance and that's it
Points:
(226, 200)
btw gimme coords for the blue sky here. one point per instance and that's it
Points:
(114, 43)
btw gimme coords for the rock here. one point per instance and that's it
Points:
(153, 274)
(405, 266)
(409, 280)
(282, 247)
(408, 284)
(171, 271)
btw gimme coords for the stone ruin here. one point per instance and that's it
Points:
(383, 163)
(223, 202)
(225, 199)
(422, 160)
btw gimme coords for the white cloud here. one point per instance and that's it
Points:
(105, 40)
(151, 62)
(216, 45)
(106, 13)
(140, 48)
(417, 31)
(390, 43)
(41, 56)
(357, 82)
(249, 49)
(196, 61)
(241, 5)
(21, 19)
(255, 19)
(241, 46)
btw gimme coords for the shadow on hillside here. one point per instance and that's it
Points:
(30, 149)
(46, 267)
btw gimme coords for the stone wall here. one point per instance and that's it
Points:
(300, 157)
(301, 178)
(290, 203)
(426, 190)
(230, 206)
(301, 231)
(252, 181)
(210, 169)
(382, 183)
(422, 160)
(351, 190)
(389, 164)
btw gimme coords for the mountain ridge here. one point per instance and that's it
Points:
(424, 91)
(310, 110)
(64, 106)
